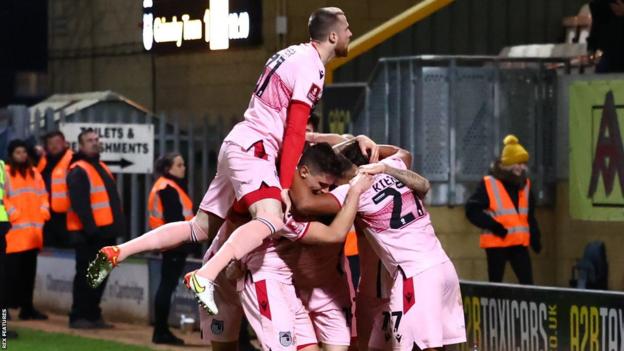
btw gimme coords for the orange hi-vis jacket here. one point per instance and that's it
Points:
(27, 204)
(58, 184)
(503, 211)
(100, 202)
(351, 246)
(155, 207)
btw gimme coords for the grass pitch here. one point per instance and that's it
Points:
(30, 340)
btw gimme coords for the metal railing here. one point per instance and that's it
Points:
(452, 113)
(198, 141)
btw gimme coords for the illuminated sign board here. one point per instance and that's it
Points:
(173, 25)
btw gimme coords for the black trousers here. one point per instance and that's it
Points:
(4, 228)
(171, 271)
(354, 265)
(520, 261)
(55, 231)
(21, 269)
(86, 301)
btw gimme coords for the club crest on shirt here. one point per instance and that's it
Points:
(217, 327)
(314, 93)
(285, 338)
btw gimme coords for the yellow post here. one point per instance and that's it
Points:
(384, 31)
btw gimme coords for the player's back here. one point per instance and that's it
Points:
(397, 225)
(295, 73)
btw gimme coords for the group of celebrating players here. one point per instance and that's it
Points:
(277, 217)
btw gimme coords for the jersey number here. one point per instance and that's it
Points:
(265, 78)
(397, 319)
(397, 221)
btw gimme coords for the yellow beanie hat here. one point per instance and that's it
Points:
(513, 152)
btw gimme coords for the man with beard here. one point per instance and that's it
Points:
(94, 219)
(273, 130)
(53, 165)
(504, 208)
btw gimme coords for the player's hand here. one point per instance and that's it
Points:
(286, 201)
(368, 148)
(360, 183)
(373, 168)
(234, 270)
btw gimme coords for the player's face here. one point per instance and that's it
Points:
(317, 182)
(344, 36)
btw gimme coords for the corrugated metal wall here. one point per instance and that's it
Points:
(471, 27)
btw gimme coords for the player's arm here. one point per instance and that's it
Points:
(411, 179)
(294, 140)
(386, 151)
(330, 138)
(336, 232)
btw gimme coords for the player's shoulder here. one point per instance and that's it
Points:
(299, 53)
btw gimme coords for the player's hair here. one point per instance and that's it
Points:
(321, 158)
(164, 163)
(314, 120)
(353, 153)
(322, 21)
(52, 134)
(85, 131)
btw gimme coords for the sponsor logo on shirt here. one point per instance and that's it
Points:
(217, 327)
(285, 338)
(314, 93)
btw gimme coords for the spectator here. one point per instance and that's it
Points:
(607, 34)
(169, 202)
(53, 165)
(4, 229)
(27, 205)
(94, 219)
(504, 207)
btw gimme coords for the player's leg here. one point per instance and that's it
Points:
(271, 314)
(162, 238)
(329, 304)
(206, 222)
(266, 220)
(256, 185)
(221, 331)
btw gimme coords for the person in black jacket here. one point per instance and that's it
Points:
(91, 226)
(607, 34)
(168, 202)
(53, 162)
(507, 184)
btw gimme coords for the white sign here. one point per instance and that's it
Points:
(126, 148)
(217, 26)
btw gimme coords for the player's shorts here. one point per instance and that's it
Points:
(330, 310)
(244, 175)
(425, 309)
(225, 325)
(367, 308)
(277, 315)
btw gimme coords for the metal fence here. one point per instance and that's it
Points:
(198, 141)
(452, 113)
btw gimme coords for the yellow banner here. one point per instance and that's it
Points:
(596, 150)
